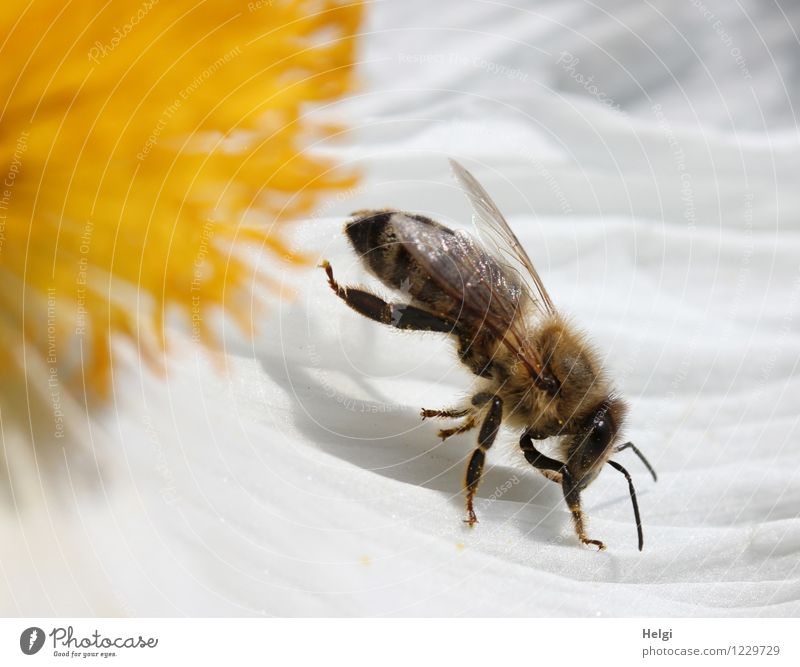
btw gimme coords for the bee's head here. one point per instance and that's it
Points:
(589, 449)
(593, 443)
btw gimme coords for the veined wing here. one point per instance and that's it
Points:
(487, 293)
(494, 231)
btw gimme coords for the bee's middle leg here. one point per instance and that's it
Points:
(478, 400)
(444, 414)
(486, 437)
(398, 315)
(469, 423)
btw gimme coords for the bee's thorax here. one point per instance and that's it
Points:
(567, 356)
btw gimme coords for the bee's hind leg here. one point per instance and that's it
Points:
(398, 315)
(488, 432)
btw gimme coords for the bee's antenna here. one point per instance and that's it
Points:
(630, 445)
(617, 466)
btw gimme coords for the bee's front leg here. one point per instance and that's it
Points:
(535, 457)
(552, 475)
(572, 496)
(558, 472)
(550, 468)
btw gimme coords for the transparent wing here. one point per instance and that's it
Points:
(484, 293)
(493, 230)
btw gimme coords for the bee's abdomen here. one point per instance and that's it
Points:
(368, 232)
(373, 238)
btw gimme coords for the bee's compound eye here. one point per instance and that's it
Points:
(601, 433)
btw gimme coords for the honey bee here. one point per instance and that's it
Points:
(536, 373)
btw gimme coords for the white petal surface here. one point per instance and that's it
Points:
(293, 476)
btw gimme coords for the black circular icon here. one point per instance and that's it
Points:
(31, 640)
